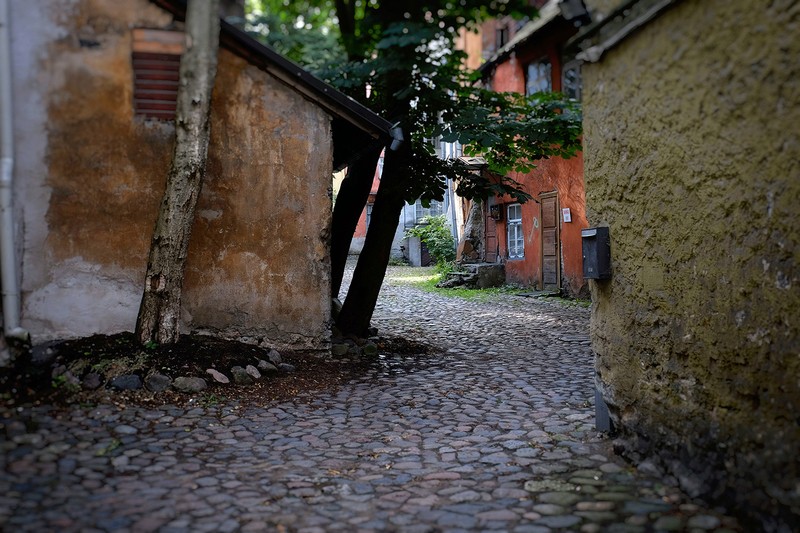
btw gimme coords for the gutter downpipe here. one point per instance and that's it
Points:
(8, 259)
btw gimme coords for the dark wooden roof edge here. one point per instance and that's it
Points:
(293, 75)
(594, 40)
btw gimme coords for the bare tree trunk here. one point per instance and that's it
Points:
(356, 313)
(160, 311)
(350, 203)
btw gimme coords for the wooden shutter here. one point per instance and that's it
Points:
(156, 65)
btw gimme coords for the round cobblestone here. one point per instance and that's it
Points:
(493, 433)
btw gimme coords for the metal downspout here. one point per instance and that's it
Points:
(8, 259)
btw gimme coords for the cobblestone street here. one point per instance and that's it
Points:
(496, 433)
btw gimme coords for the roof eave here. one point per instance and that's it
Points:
(302, 81)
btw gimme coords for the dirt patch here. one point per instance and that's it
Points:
(57, 373)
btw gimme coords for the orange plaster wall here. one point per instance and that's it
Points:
(258, 266)
(566, 177)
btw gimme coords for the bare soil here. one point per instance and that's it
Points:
(54, 374)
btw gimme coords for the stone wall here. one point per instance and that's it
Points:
(692, 154)
(90, 176)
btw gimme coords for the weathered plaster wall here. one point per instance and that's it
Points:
(566, 177)
(84, 160)
(258, 264)
(556, 174)
(692, 154)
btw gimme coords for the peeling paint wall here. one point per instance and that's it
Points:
(565, 176)
(692, 158)
(555, 174)
(91, 175)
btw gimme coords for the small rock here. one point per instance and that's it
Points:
(649, 468)
(565, 499)
(188, 384)
(267, 367)
(157, 382)
(124, 429)
(92, 381)
(286, 367)
(241, 376)
(704, 521)
(58, 370)
(370, 348)
(218, 376)
(548, 485)
(121, 461)
(339, 350)
(15, 428)
(126, 382)
(71, 379)
(274, 357)
(253, 372)
(669, 523)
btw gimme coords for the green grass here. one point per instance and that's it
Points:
(426, 278)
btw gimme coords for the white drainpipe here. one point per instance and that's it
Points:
(8, 256)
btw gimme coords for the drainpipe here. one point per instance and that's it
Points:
(8, 259)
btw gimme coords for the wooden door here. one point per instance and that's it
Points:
(490, 237)
(551, 253)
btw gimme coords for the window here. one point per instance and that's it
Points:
(502, 37)
(571, 83)
(538, 77)
(435, 209)
(156, 58)
(516, 241)
(370, 205)
(451, 150)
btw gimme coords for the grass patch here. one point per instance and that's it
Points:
(427, 282)
(426, 278)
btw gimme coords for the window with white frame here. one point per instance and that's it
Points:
(516, 241)
(538, 77)
(435, 209)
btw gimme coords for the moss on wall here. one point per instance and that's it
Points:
(692, 156)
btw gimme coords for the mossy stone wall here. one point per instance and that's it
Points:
(692, 158)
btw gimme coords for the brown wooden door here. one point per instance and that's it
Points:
(490, 238)
(551, 271)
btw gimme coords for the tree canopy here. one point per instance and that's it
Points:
(402, 62)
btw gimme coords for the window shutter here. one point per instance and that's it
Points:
(156, 72)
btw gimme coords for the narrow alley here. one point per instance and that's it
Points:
(496, 433)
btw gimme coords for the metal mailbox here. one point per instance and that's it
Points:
(596, 253)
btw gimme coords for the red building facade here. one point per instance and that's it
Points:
(539, 240)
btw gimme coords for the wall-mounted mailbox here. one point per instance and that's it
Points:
(596, 253)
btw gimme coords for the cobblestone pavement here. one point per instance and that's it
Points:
(495, 434)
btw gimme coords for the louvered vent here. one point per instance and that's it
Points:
(156, 63)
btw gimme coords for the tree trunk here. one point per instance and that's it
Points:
(371, 268)
(160, 310)
(350, 201)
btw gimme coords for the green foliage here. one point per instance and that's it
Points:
(61, 382)
(405, 53)
(303, 31)
(435, 233)
(428, 284)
